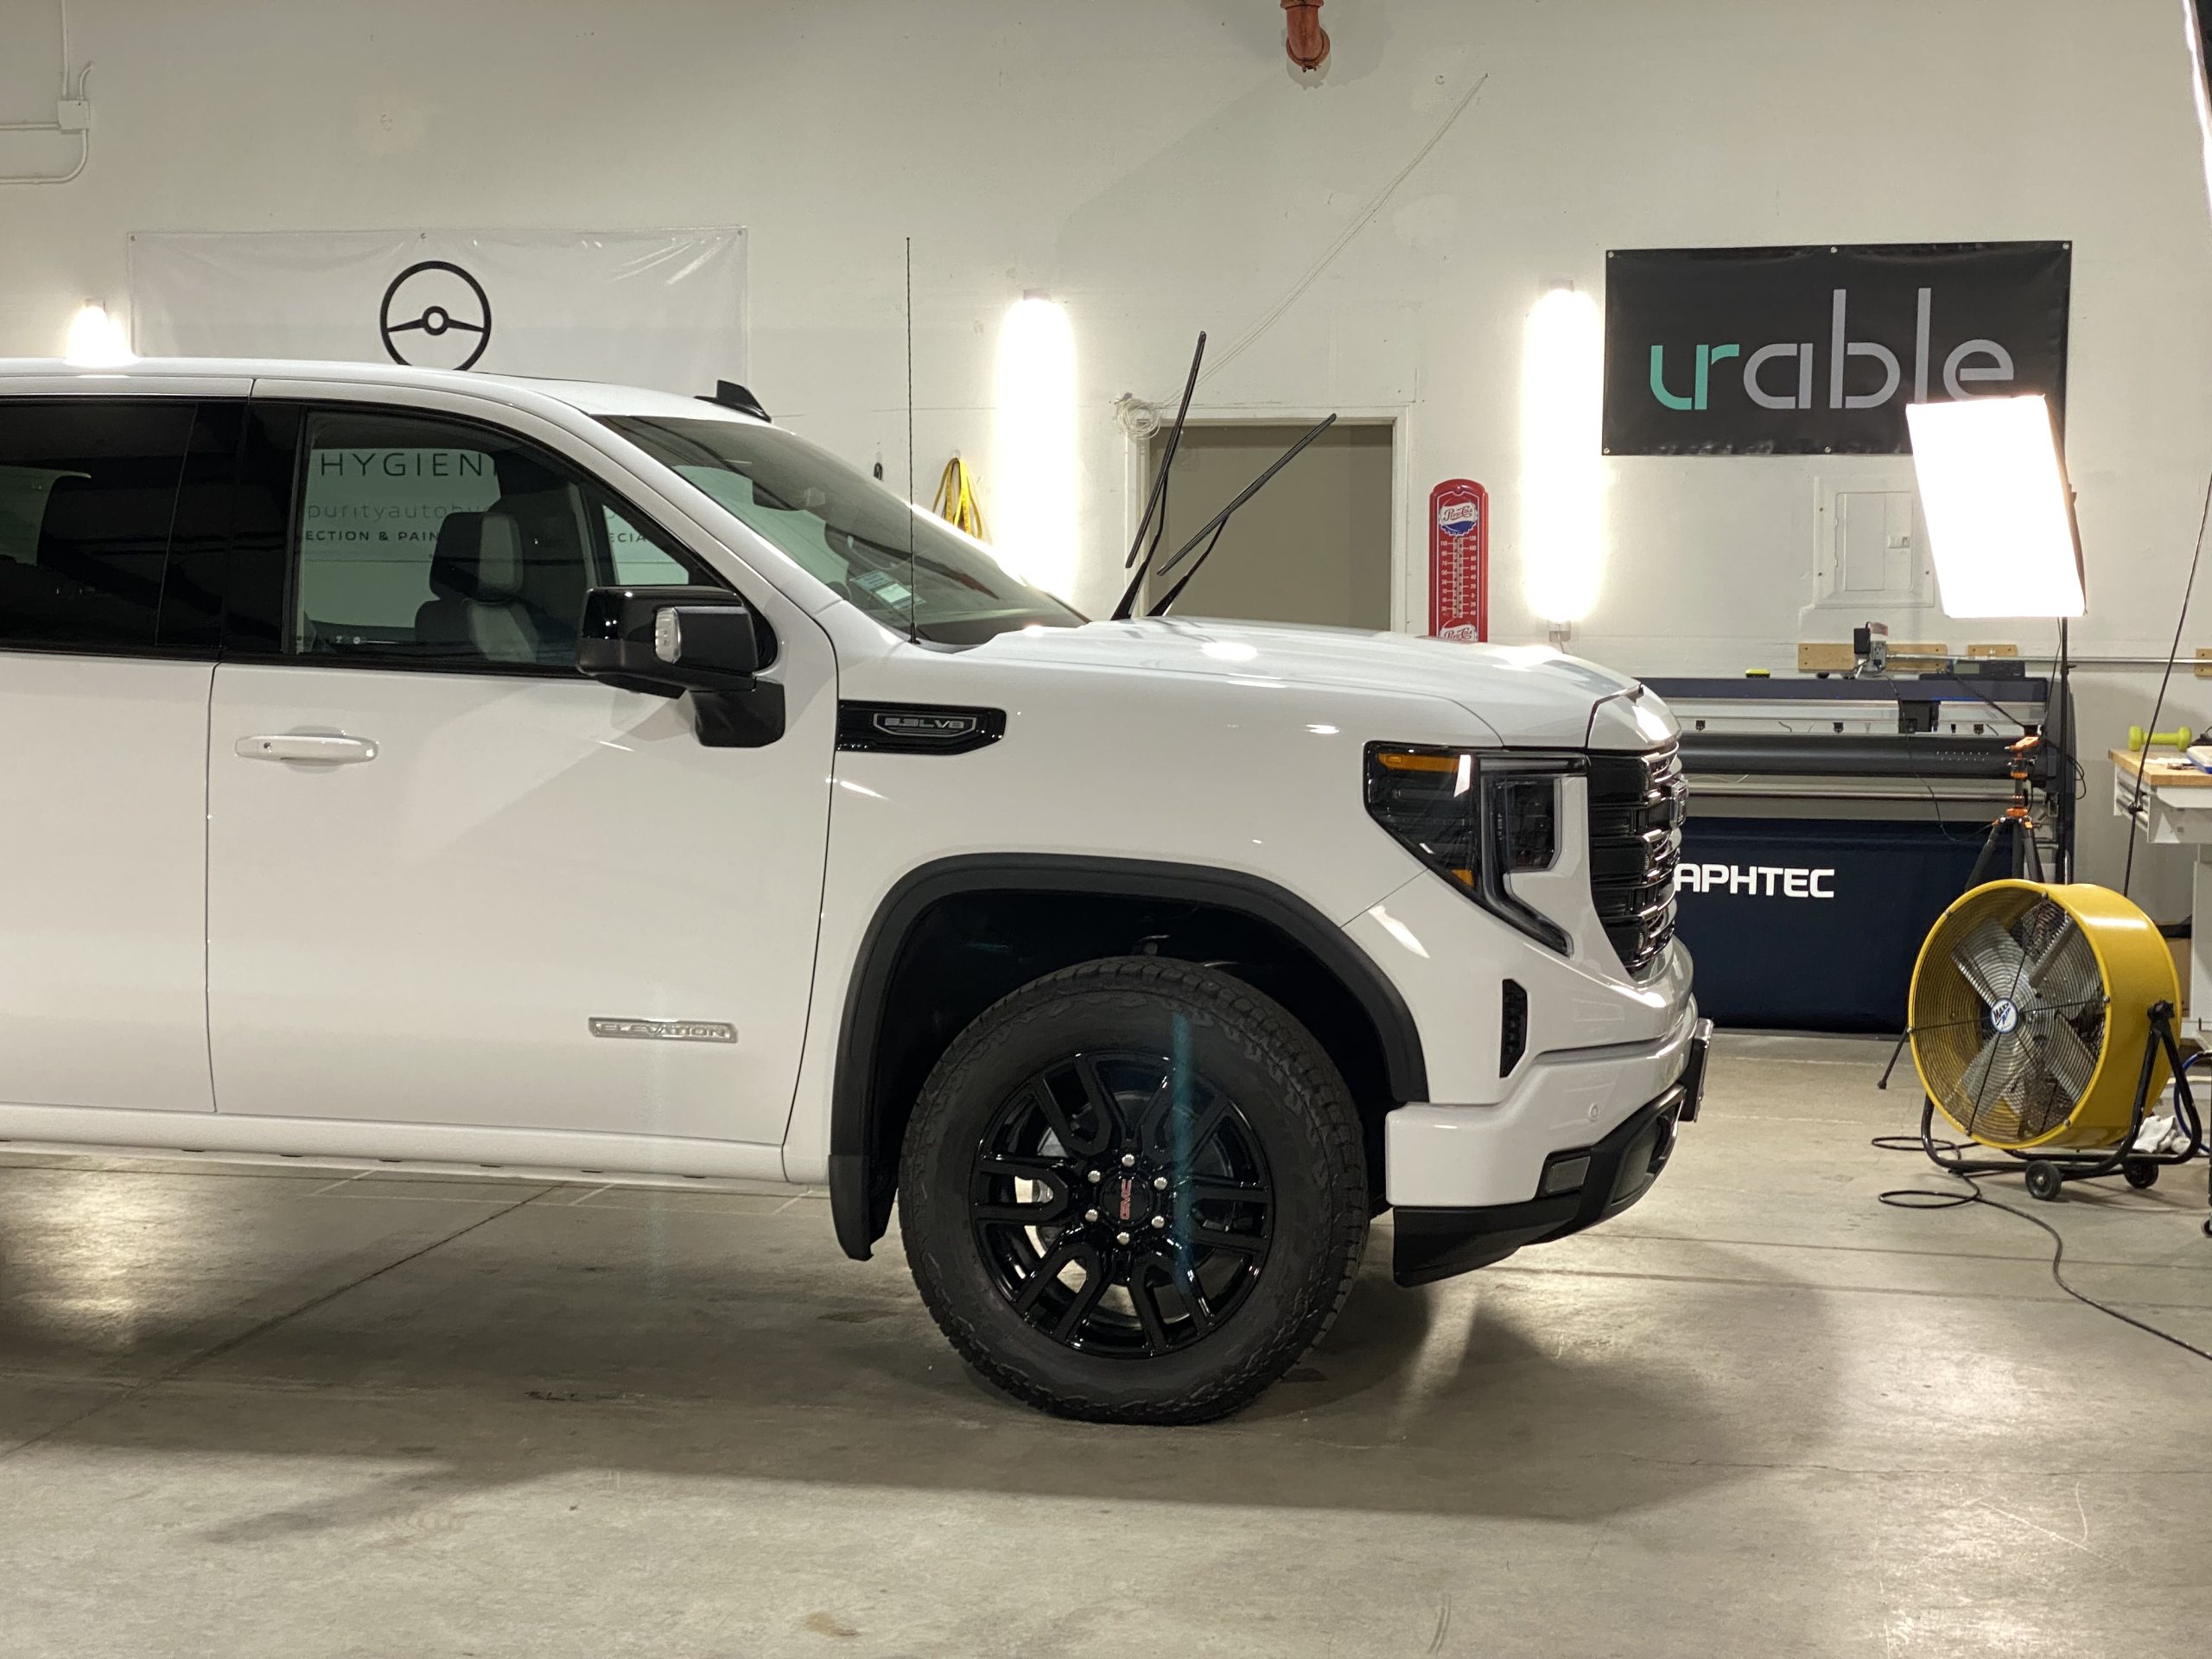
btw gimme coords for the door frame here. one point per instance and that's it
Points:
(1405, 591)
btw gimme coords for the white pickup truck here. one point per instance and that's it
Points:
(435, 769)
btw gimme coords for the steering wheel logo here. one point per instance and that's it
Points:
(435, 315)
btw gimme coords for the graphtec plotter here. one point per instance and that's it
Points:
(1832, 820)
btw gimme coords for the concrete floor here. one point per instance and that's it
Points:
(274, 1413)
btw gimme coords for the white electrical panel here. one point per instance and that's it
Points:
(1870, 555)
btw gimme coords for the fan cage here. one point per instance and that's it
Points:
(2009, 1015)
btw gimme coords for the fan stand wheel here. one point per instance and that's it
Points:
(2141, 1174)
(2044, 1181)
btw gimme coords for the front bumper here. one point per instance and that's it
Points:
(1435, 1241)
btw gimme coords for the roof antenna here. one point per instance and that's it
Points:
(913, 630)
(1220, 520)
(1157, 502)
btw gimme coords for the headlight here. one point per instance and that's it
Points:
(1475, 817)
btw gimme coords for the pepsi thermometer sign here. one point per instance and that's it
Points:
(1459, 560)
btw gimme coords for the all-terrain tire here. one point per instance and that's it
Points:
(1291, 1099)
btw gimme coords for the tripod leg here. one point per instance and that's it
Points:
(2032, 860)
(1988, 851)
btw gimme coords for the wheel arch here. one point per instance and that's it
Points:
(1369, 1032)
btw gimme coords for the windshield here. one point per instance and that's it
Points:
(846, 530)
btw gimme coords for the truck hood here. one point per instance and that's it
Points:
(1528, 695)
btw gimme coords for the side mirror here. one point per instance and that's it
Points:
(669, 640)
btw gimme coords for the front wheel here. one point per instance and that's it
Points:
(1133, 1192)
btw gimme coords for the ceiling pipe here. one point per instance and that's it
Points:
(1304, 38)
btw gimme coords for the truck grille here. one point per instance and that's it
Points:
(1636, 803)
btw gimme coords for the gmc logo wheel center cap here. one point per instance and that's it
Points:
(1128, 1198)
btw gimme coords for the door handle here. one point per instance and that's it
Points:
(326, 748)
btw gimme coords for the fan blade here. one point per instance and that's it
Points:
(1991, 1075)
(2066, 1056)
(2039, 1101)
(1992, 961)
(2064, 973)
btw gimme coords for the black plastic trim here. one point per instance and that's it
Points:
(1512, 1026)
(860, 1204)
(727, 394)
(749, 719)
(1429, 1244)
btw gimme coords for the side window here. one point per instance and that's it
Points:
(88, 493)
(440, 542)
(638, 558)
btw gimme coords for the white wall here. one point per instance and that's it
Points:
(1152, 165)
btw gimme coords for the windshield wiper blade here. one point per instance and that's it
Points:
(1211, 532)
(1157, 502)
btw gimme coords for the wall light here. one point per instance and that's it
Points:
(1034, 495)
(2193, 26)
(1999, 523)
(96, 339)
(1562, 466)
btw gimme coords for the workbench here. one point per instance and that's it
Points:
(2176, 811)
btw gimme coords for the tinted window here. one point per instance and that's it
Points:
(88, 493)
(441, 543)
(638, 558)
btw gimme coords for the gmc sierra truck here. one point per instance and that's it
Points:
(441, 770)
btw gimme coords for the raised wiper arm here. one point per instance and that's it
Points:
(1211, 532)
(1156, 504)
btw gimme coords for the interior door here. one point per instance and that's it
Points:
(449, 879)
(1313, 546)
(105, 653)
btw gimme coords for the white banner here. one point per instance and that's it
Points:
(662, 308)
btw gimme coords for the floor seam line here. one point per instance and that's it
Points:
(1509, 1273)
(1612, 1236)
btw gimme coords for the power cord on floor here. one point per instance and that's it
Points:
(1921, 1197)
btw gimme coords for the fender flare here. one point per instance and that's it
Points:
(859, 1213)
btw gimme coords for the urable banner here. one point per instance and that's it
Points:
(661, 309)
(1816, 351)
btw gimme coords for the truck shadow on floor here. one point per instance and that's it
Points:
(649, 1340)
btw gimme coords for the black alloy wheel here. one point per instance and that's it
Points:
(1123, 1203)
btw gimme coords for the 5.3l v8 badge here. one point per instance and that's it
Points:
(917, 727)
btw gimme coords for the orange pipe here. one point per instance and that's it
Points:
(1304, 38)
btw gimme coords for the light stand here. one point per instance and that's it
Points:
(2067, 803)
(2002, 530)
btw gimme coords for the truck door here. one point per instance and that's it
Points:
(107, 643)
(451, 881)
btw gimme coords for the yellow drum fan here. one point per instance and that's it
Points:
(2041, 1021)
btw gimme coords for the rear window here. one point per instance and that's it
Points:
(88, 497)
